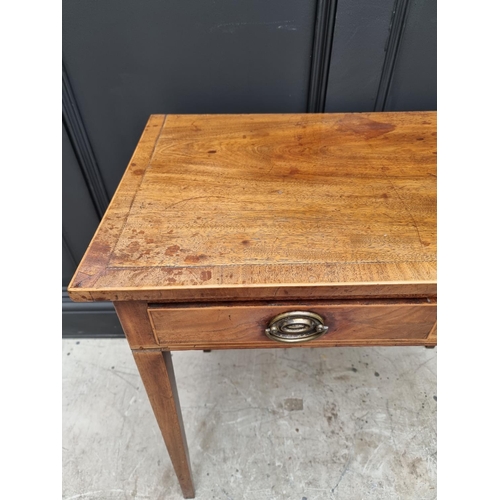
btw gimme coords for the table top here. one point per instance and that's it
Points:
(271, 205)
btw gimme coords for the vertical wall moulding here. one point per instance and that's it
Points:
(396, 29)
(320, 57)
(82, 147)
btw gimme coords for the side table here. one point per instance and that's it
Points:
(265, 231)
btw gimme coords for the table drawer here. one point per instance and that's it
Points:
(244, 325)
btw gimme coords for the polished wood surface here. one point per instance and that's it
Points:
(136, 324)
(222, 222)
(157, 373)
(211, 206)
(432, 338)
(244, 325)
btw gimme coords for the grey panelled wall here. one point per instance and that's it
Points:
(127, 59)
(358, 53)
(414, 79)
(383, 56)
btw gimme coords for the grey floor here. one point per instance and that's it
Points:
(340, 423)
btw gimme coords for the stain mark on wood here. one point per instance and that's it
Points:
(172, 250)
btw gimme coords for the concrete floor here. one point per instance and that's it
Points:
(339, 423)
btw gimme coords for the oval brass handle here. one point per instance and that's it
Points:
(296, 326)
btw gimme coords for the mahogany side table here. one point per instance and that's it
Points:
(265, 231)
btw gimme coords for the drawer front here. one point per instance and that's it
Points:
(239, 326)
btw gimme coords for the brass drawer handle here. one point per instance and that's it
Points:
(296, 326)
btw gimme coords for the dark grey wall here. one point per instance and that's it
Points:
(414, 80)
(360, 38)
(126, 59)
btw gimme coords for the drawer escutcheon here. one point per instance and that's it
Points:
(296, 326)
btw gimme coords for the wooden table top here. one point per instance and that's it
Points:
(270, 206)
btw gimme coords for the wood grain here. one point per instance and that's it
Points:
(308, 345)
(223, 325)
(136, 324)
(202, 293)
(432, 338)
(156, 370)
(233, 219)
(270, 202)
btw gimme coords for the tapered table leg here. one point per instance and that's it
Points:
(157, 373)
